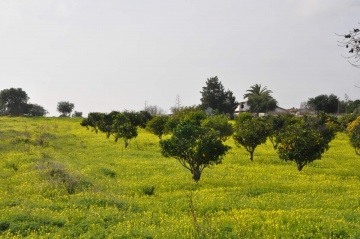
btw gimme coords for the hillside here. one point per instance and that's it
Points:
(59, 180)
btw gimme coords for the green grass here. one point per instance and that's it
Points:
(59, 180)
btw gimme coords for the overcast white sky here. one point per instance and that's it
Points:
(116, 55)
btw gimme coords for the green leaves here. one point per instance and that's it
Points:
(195, 147)
(306, 140)
(250, 132)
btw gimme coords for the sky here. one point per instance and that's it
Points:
(122, 55)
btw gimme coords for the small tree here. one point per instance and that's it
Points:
(106, 121)
(36, 110)
(195, 147)
(306, 140)
(250, 132)
(123, 128)
(92, 121)
(353, 130)
(157, 125)
(77, 114)
(65, 108)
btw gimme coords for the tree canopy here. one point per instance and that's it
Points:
(216, 98)
(195, 147)
(260, 99)
(14, 102)
(65, 108)
(325, 103)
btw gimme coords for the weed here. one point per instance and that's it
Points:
(108, 172)
(4, 226)
(149, 190)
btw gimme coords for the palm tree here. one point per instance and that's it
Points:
(256, 90)
(260, 99)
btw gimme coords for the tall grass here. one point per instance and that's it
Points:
(59, 180)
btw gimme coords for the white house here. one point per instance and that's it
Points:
(244, 107)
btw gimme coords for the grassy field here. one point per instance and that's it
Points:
(59, 180)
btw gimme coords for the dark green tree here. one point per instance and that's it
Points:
(352, 106)
(260, 99)
(65, 108)
(106, 121)
(13, 102)
(325, 103)
(306, 140)
(195, 147)
(123, 128)
(36, 110)
(92, 121)
(215, 97)
(250, 132)
(77, 114)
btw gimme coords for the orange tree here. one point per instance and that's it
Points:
(353, 130)
(306, 140)
(195, 147)
(250, 132)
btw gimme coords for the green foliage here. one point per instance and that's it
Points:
(353, 130)
(215, 97)
(345, 120)
(260, 99)
(325, 103)
(123, 128)
(306, 140)
(105, 122)
(13, 102)
(277, 124)
(65, 108)
(149, 190)
(266, 198)
(250, 132)
(36, 110)
(221, 124)
(92, 121)
(157, 125)
(353, 106)
(77, 114)
(194, 147)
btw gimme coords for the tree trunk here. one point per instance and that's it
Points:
(251, 155)
(300, 166)
(196, 174)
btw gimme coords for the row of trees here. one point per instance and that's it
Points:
(197, 140)
(120, 125)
